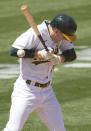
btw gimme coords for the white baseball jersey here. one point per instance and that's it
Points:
(28, 40)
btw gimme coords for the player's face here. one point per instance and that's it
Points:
(56, 35)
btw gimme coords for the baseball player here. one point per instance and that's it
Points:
(33, 89)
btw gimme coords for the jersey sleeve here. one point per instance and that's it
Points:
(66, 45)
(27, 40)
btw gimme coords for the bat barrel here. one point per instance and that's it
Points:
(32, 23)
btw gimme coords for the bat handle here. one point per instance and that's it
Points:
(43, 42)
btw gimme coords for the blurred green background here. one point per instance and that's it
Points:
(72, 86)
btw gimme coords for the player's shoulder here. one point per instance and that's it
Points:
(43, 28)
(66, 42)
(64, 45)
(43, 25)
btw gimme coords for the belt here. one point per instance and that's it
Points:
(38, 84)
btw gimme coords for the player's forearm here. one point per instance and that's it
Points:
(22, 53)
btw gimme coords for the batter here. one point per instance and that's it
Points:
(33, 89)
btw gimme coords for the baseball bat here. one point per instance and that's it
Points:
(32, 23)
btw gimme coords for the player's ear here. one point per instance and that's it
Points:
(56, 30)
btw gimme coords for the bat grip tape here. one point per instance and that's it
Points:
(43, 42)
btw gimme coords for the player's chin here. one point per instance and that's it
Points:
(56, 41)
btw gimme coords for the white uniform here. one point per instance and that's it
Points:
(28, 97)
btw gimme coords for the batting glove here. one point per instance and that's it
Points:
(57, 59)
(43, 54)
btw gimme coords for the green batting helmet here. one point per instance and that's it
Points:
(66, 25)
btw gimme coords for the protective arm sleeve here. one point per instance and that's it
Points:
(28, 53)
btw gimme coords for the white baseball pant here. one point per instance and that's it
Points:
(27, 98)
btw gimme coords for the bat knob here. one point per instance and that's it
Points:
(23, 7)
